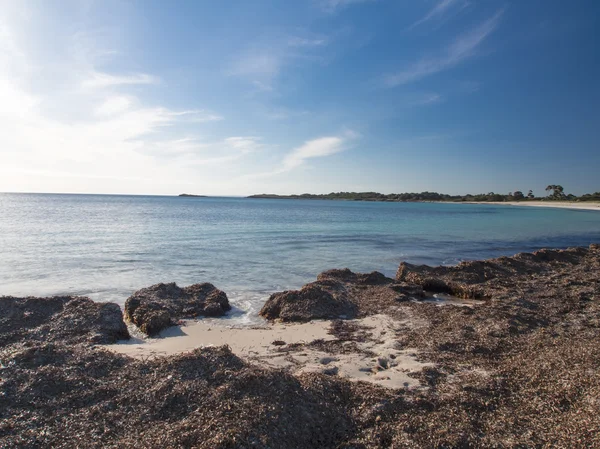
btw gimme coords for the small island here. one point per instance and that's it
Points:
(189, 195)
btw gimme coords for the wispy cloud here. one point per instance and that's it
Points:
(94, 125)
(462, 48)
(324, 146)
(429, 98)
(194, 151)
(306, 42)
(332, 6)
(263, 61)
(311, 149)
(258, 62)
(100, 80)
(113, 105)
(439, 10)
(244, 144)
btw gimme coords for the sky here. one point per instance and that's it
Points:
(236, 97)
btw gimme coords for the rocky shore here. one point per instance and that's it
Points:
(516, 365)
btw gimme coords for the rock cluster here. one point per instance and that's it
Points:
(155, 308)
(489, 278)
(339, 294)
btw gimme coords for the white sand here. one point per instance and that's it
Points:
(554, 204)
(386, 365)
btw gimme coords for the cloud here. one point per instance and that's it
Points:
(324, 146)
(113, 105)
(101, 80)
(244, 144)
(311, 149)
(439, 10)
(332, 6)
(194, 151)
(258, 62)
(197, 116)
(66, 124)
(429, 98)
(263, 62)
(321, 147)
(305, 42)
(462, 48)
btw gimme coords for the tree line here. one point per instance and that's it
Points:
(555, 193)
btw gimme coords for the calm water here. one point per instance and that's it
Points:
(106, 247)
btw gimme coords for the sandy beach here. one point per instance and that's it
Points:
(297, 347)
(554, 204)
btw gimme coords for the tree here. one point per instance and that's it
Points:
(530, 195)
(518, 195)
(557, 191)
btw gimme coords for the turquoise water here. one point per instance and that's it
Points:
(106, 246)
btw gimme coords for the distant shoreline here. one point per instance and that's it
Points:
(581, 205)
(589, 205)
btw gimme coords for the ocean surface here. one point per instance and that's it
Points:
(107, 246)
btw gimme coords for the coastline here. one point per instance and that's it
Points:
(552, 204)
(581, 205)
(349, 360)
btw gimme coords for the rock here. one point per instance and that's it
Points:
(327, 360)
(347, 276)
(155, 308)
(337, 294)
(330, 371)
(344, 275)
(313, 301)
(70, 319)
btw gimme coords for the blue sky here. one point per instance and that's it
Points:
(240, 97)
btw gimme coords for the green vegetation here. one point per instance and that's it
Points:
(556, 194)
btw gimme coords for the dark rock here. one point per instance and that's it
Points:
(61, 318)
(343, 275)
(347, 276)
(338, 293)
(313, 301)
(155, 308)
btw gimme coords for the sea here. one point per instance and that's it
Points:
(107, 246)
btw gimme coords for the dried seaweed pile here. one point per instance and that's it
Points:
(64, 319)
(521, 370)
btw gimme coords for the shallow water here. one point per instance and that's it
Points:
(106, 246)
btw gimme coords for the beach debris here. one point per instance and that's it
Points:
(60, 318)
(519, 370)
